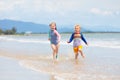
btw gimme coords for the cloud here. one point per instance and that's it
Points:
(49, 6)
(9, 5)
(37, 10)
(61, 11)
(101, 12)
(117, 13)
(3, 7)
(61, 7)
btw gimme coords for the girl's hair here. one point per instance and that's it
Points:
(54, 24)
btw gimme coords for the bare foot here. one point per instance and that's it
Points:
(83, 56)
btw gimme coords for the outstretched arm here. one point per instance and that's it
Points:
(84, 39)
(71, 38)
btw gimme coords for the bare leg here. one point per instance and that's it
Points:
(52, 77)
(82, 53)
(54, 50)
(57, 47)
(76, 56)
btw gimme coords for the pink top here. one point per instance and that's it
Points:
(59, 37)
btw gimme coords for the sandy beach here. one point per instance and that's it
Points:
(10, 69)
(104, 66)
(33, 60)
(59, 40)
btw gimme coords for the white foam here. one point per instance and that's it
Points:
(107, 44)
(58, 78)
(74, 74)
(94, 43)
(23, 40)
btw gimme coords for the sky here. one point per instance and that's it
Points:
(63, 12)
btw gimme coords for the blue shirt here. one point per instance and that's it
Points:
(77, 37)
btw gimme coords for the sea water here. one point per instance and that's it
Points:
(102, 60)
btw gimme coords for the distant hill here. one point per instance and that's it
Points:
(104, 28)
(32, 27)
(43, 28)
(24, 26)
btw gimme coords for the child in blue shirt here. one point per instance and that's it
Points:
(77, 46)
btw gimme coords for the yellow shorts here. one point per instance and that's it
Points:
(76, 49)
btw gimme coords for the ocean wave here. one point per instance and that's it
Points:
(22, 40)
(94, 43)
(69, 71)
(107, 44)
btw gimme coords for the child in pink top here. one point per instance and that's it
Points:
(54, 38)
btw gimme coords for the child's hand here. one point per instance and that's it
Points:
(87, 44)
(68, 42)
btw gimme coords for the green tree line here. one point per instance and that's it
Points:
(8, 31)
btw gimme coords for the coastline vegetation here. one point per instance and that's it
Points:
(8, 31)
(13, 31)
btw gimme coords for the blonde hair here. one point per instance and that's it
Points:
(54, 24)
(77, 25)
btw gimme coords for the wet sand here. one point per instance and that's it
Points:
(10, 69)
(99, 64)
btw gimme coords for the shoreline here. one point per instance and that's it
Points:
(34, 53)
(100, 64)
(60, 33)
(10, 69)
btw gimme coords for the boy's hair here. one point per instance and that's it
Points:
(54, 24)
(77, 25)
